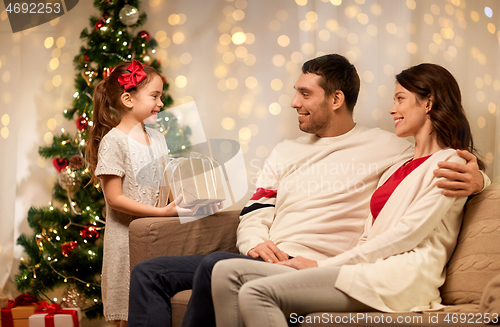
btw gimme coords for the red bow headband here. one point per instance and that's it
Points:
(133, 78)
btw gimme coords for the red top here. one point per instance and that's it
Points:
(382, 194)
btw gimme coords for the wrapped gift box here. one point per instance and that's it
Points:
(60, 319)
(20, 315)
(198, 178)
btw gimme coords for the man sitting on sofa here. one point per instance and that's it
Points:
(311, 200)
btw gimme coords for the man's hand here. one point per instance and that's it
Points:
(268, 251)
(299, 263)
(462, 179)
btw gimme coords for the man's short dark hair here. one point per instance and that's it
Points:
(337, 73)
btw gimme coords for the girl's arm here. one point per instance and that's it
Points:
(112, 187)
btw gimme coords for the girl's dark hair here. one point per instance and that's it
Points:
(447, 114)
(108, 107)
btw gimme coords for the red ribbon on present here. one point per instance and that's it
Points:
(135, 76)
(51, 310)
(22, 300)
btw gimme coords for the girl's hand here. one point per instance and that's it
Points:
(173, 209)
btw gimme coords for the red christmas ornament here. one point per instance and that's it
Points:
(163, 79)
(89, 233)
(60, 163)
(68, 247)
(82, 123)
(99, 24)
(86, 58)
(144, 35)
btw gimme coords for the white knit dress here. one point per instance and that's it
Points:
(139, 166)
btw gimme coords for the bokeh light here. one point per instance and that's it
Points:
(6, 77)
(251, 82)
(51, 124)
(363, 19)
(231, 83)
(376, 9)
(61, 41)
(475, 16)
(305, 26)
(282, 15)
(488, 12)
(324, 35)
(249, 60)
(228, 123)
(274, 108)
(178, 38)
(181, 81)
(492, 108)
(185, 58)
(49, 42)
(278, 60)
(220, 72)
(225, 39)
(238, 15)
(276, 84)
(283, 40)
(245, 134)
(332, 25)
(48, 137)
(5, 132)
(297, 57)
(5, 119)
(312, 16)
(238, 38)
(481, 122)
(228, 57)
(307, 48)
(241, 52)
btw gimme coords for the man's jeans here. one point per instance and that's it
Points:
(155, 281)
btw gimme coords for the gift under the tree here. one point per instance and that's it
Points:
(17, 312)
(198, 178)
(52, 315)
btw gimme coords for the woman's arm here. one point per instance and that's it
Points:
(422, 215)
(112, 187)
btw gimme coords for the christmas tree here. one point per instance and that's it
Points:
(67, 246)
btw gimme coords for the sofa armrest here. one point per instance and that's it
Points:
(166, 236)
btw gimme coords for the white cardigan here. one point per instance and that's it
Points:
(399, 262)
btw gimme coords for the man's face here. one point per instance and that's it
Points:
(315, 115)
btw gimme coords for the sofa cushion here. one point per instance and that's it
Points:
(179, 304)
(490, 302)
(476, 259)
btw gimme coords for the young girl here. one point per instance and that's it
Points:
(125, 157)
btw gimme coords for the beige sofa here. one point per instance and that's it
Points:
(474, 264)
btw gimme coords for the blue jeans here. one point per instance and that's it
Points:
(155, 281)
